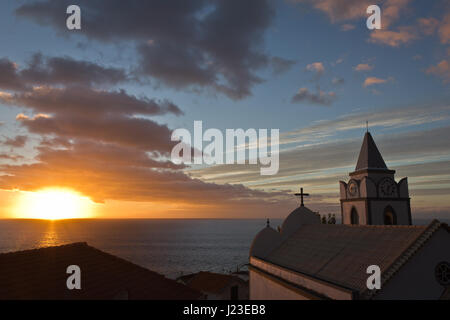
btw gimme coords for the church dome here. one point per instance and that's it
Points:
(265, 241)
(300, 216)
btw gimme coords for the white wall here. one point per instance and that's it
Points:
(416, 279)
(262, 288)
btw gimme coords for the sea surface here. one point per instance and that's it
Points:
(170, 247)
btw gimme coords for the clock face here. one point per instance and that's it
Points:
(353, 188)
(388, 188)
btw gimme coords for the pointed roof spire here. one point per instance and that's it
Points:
(369, 156)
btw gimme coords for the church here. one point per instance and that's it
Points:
(306, 259)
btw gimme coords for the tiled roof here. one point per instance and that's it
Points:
(211, 282)
(369, 156)
(41, 274)
(340, 254)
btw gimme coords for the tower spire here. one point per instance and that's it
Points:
(369, 155)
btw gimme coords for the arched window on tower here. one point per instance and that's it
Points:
(390, 218)
(354, 218)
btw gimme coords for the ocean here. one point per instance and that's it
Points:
(169, 247)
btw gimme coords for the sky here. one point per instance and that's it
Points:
(93, 110)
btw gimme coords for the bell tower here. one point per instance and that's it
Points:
(372, 196)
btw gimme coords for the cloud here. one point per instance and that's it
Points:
(339, 10)
(106, 171)
(16, 142)
(10, 157)
(57, 71)
(320, 98)
(444, 29)
(419, 155)
(343, 10)
(281, 65)
(68, 71)
(404, 35)
(428, 25)
(363, 67)
(88, 102)
(350, 10)
(441, 70)
(9, 80)
(391, 10)
(370, 81)
(316, 67)
(347, 27)
(385, 118)
(182, 44)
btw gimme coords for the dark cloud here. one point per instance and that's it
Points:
(67, 71)
(144, 134)
(16, 142)
(9, 79)
(281, 65)
(57, 71)
(106, 116)
(320, 98)
(88, 102)
(182, 44)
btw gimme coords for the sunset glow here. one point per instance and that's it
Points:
(53, 204)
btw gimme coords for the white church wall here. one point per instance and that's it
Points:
(416, 279)
(403, 188)
(377, 208)
(316, 285)
(376, 177)
(360, 207)
(262, 288)
(368, 188)
(343, 189)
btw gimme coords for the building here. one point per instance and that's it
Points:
(217, 286)
(306, 259)
(372, 196)
(41, 274)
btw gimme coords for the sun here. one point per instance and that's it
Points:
(53, 204)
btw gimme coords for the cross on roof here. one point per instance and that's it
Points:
(301, 195)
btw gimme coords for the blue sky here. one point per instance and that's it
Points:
(412, 74)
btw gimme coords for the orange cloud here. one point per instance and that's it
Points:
(370, 81)
(428, 25)
(316, 67)
(442, 70)
(404, 35)
(363, 67)
(444, 29)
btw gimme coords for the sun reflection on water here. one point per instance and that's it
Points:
(50, 237)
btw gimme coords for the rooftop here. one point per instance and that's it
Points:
(340, 254)
(210, 282)
(41, 274)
